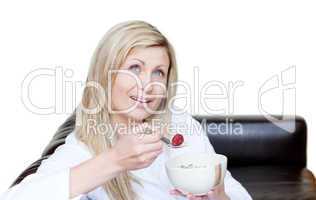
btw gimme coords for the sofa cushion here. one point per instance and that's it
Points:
(277, 182)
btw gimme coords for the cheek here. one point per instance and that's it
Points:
(160, 92)
(123, 82)
(160, 88)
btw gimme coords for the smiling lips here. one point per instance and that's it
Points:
(140, 99)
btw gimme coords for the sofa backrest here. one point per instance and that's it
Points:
(58, 139)
(257, 139)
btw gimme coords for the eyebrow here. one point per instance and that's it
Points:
(143, 62)
(139, 60)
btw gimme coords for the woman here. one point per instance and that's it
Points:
(130, 84)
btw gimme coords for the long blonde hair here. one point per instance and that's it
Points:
(110, 53)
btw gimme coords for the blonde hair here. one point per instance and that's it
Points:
(110, 53)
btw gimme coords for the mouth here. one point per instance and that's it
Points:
(141, 99)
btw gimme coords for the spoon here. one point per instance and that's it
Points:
(164, 139)
(169, 144)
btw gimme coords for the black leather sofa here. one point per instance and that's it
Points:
(267, 158)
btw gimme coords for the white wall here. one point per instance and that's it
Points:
(246, 41)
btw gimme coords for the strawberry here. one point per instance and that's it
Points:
(177, 139)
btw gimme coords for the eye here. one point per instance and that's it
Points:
(159, 72)
(135, 68)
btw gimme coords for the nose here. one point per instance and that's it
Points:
(146, 83)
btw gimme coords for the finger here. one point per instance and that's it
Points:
(138, 128)
(219, 186)
(175, 192)
(215, 191)
(159, 131)
(148, 129)
(147, 139)
(145, 148)
(144, 161)
(191, 196)
(211, 194)
(197, 197)
(149, 157)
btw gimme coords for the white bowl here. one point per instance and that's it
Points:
(209, 171)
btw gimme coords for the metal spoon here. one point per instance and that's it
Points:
(169, 144)
(164, 139)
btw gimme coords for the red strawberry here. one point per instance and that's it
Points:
(177, 139)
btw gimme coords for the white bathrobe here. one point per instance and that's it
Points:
(51, 181)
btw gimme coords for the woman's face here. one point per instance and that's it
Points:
(142, 76)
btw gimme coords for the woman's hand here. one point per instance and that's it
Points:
(218, 193)
(136, 150)
(133, 150)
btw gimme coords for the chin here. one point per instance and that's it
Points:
(140, 114)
